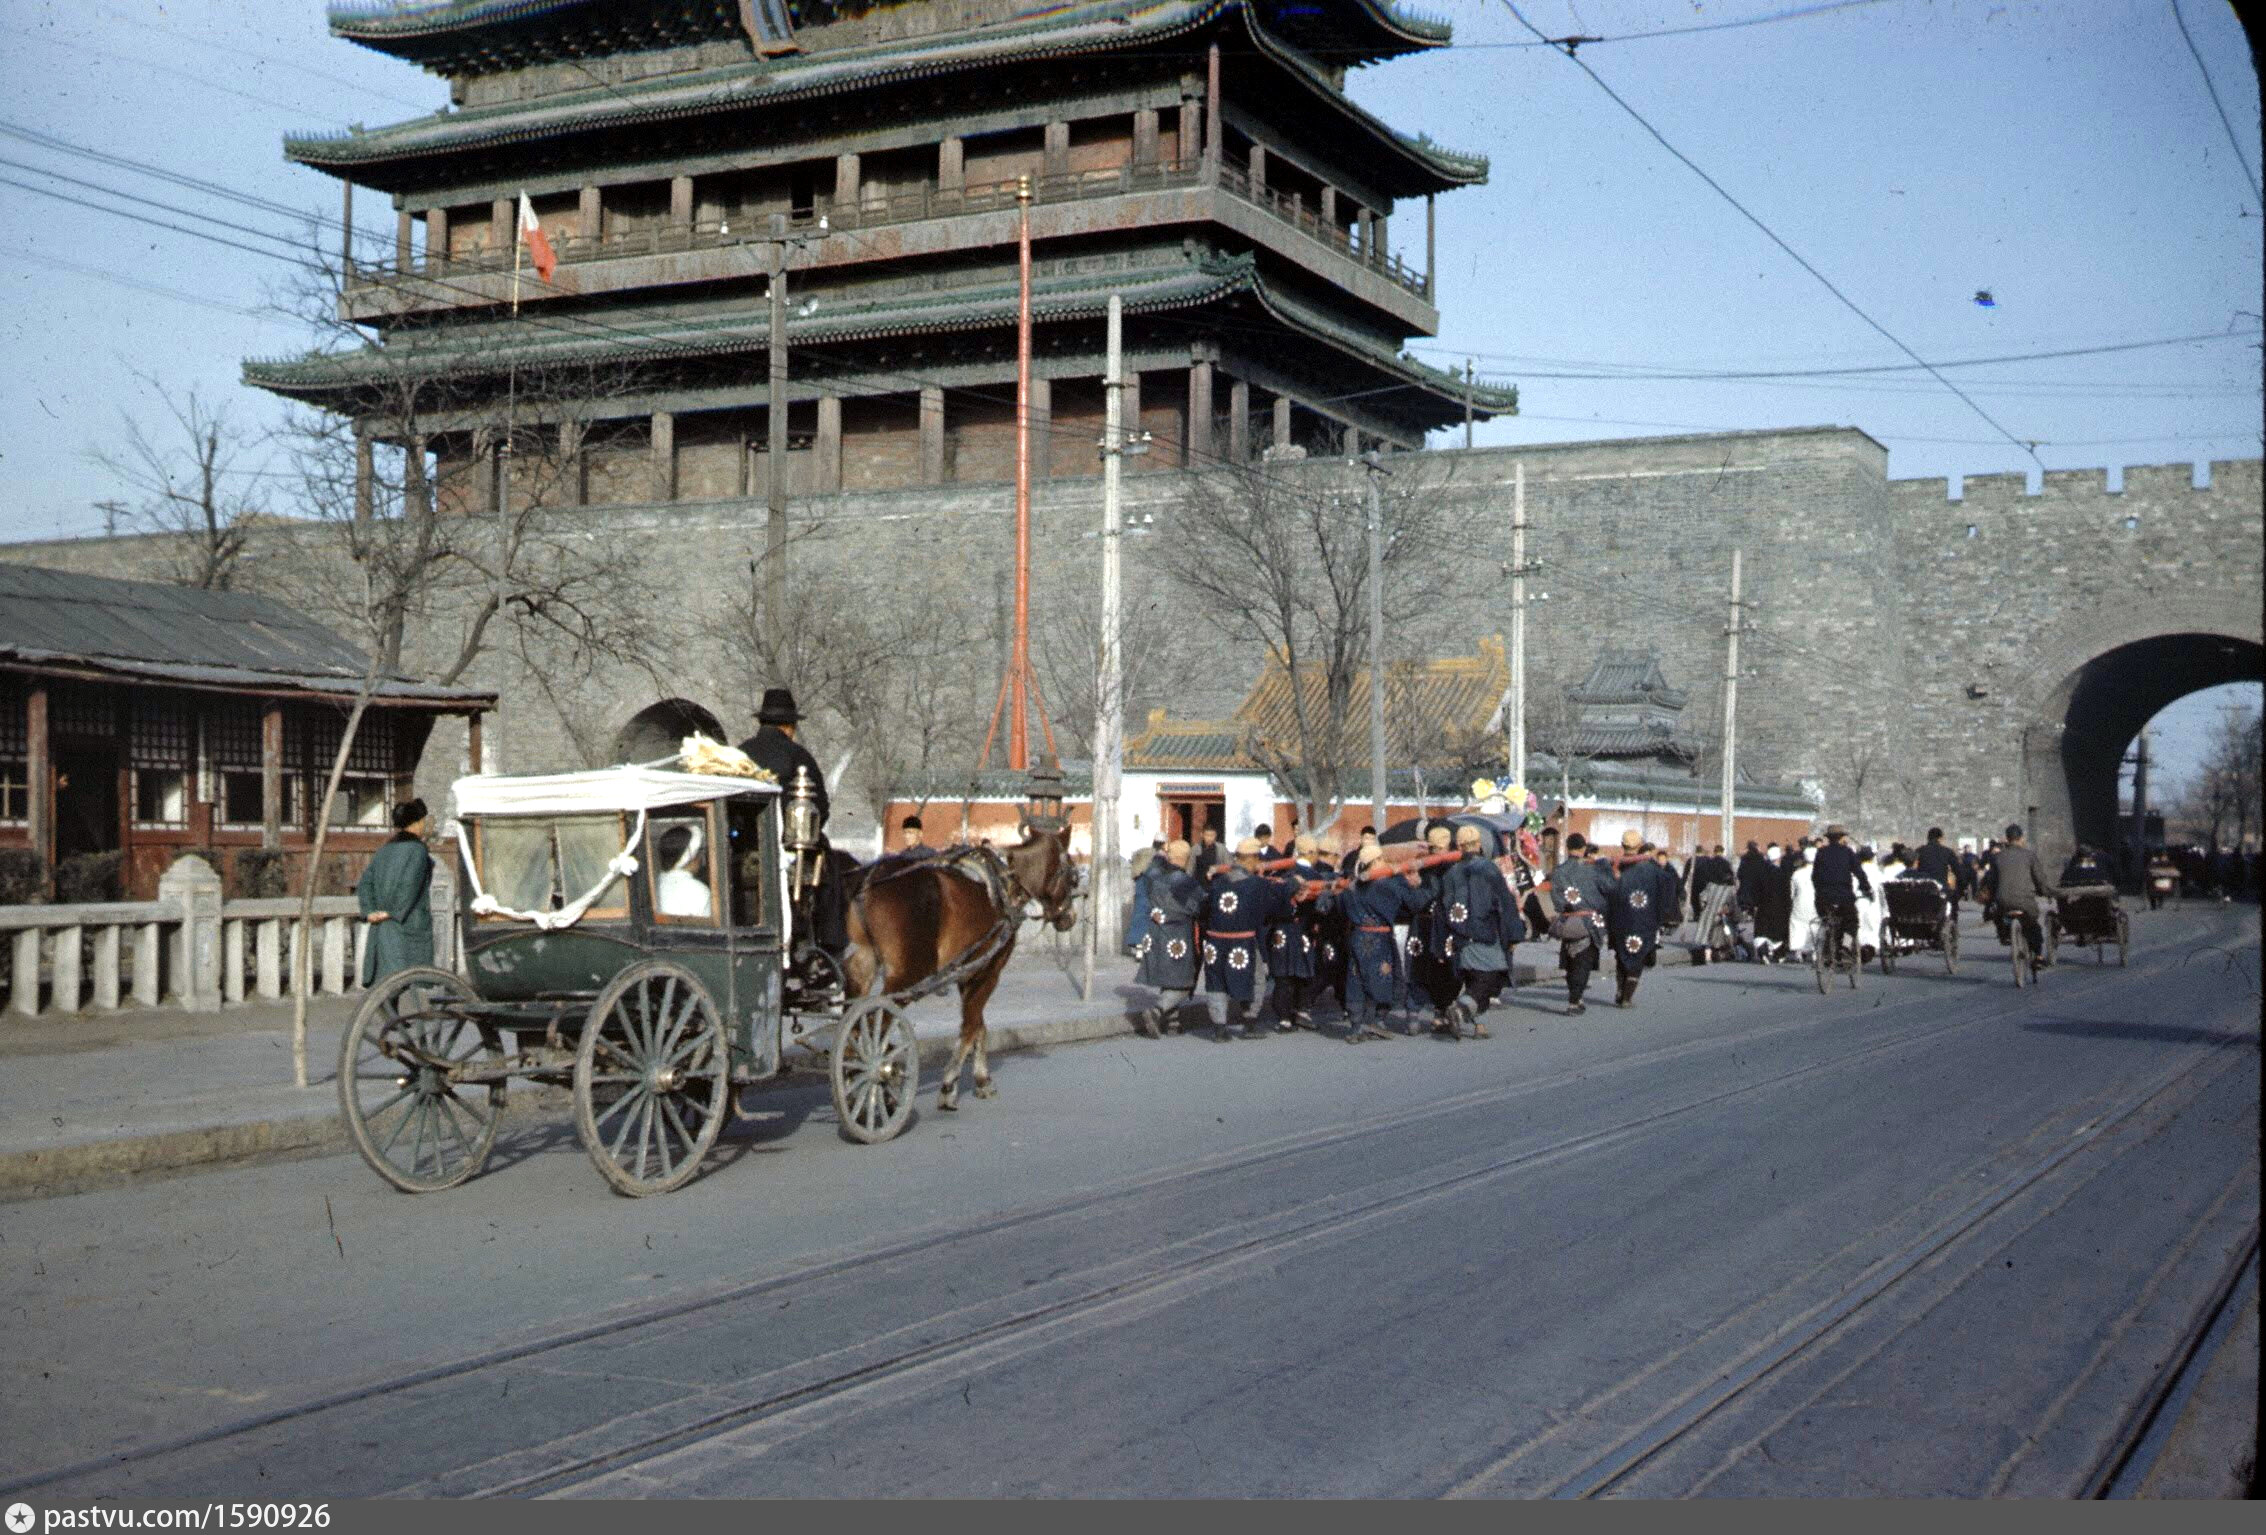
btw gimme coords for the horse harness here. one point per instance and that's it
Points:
(982, 866)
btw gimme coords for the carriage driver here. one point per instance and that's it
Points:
(774, 748)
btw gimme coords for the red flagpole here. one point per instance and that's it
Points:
(1018, 730)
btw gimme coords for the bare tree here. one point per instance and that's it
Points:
(1283, 564)
(197, 478)
(1554, 727)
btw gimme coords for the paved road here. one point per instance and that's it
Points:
(1935, 1236)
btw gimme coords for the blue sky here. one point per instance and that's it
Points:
(2066, 158)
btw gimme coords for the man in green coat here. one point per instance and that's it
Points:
(396, 896)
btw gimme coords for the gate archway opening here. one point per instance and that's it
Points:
(2113, 696)
(659, 728)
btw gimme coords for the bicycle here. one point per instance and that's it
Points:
(1836, 949)
(2018, 942)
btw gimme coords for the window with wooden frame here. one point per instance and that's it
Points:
(15, 758)
(680, 858)
(161, 755)
(542, 863)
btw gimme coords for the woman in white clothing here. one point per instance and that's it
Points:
(1802, 919)
(1869, 908)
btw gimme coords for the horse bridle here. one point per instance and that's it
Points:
(1060, 890)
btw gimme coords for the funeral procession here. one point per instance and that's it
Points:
(718, 713)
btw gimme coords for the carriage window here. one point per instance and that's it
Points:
(744, 861)
(515, 863)
(681, 860)
(587, 844)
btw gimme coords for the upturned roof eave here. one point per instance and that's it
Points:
(721, 90)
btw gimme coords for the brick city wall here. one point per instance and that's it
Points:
(1871, 609)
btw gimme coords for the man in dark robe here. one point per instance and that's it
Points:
(1373, 963)
(1167, 950)
(1642, 898)
(1774, 909)
(1240, 907)
(1581, 889)
(1431, 965)
(1484, 926)
(395, 894)
(774, 748)
(1293, 951)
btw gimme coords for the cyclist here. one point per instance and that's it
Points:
(2019, 885)
(1836, 876)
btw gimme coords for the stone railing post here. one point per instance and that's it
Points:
(192, 885)
(443, 902)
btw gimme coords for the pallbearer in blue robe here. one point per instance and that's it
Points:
(1482, 919)
(1293, 958)
(1373, 963)
(1239, 908)
(1167, 950)
(1644, 895)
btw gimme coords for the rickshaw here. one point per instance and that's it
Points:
(2089, 914)
(624, 939)
(1919, 918)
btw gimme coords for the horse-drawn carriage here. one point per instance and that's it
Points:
(1918, 917)
(2088, 914)
(626, 939)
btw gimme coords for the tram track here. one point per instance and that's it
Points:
(805, 1396)
(1673, 1421)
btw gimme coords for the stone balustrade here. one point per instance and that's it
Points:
(190, 948)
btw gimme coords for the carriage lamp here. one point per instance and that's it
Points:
(802, 813)
(1043, 806)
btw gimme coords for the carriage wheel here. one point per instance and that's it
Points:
(1950, 940)
(2124, 937)
(652, 1078)
(415, 1127)
(2018, 942)
(876, 1070)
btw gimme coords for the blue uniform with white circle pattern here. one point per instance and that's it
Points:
(1167, 948)
(1240, 909)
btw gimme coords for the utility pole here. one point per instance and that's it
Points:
(1373, 461)
(1521, 567)
(1109, 704)
(1731, 709)
(2140, 808)
(775, 431)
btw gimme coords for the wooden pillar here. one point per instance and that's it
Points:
(501, 213)
(664, 456)
(1145, 137)
(1351, 438)
(271, 776)
(346, 227)
(829, 443)
(1212, 123)
(845, 181)
(1431, 242)
(1361, 222)
(1042, 428)
(1200, 414)
(1330, 207)
(590, 215)
(571, 483)
(39, 793)
(488, 452)
(415, 497)
(1129, 416)
(952, 165)
(472, 753)
(680, 201)
(1378, 240)
(1056, 159)
(365, 476)
(1281, 422)
(1258, 168)
(436, 238)
(932, 435)
(404, 241)
(1239, 422)
(1188, 147)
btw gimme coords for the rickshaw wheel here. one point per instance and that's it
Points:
(875, 1070)
(652, 1078)
(416, 1129)
(1950, 947)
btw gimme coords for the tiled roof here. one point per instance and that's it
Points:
(156, 632)
(1453, 697)
(1190, 745)
(1627, 677)
(726, 328)
(1058, 31)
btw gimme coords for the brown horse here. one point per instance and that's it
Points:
(909, 922)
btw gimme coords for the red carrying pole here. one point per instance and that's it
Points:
(1018, 729)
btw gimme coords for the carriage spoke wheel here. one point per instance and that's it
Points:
(876, 1069)
(1950, 947)
(417, 1127)
(652, 1078)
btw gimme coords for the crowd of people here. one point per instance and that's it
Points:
(1268, 936)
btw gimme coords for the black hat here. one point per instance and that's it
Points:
(778, 708)
(913, 823)
(408, 813)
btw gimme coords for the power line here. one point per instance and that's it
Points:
(1635, 374)
(121, 279)
(1802, 13)
(1772, 235)
(2224, 121)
